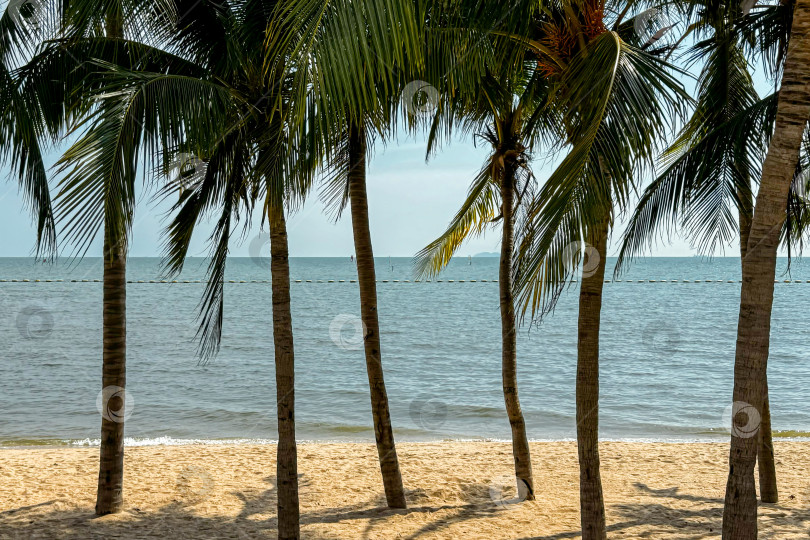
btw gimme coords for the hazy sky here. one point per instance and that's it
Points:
(410, 203)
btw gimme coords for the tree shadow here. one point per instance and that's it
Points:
(256, 517)
(474, 502)
(690, 524)
(675, 493)
(29, 507)
(177, 519)
(171, 521)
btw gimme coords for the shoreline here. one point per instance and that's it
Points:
(149, 442)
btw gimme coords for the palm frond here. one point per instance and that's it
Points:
(98, 186)
(615, 104)
(714, 161)
(478, 210)
(21, 131)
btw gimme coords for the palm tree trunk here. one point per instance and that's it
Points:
(287, 457)
(520, 442)
(768, 491)
(366, 278)
(110, 494)
(746, 215)
(592, 505)
(758, 272)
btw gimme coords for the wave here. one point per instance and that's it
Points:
(170, 441)
(798, 436)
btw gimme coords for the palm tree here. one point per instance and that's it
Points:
(367, 281)
(97, 189)
(759, 267)
(287, 461)
(612, 102)
(378, 43)
(110, 494)
(254, 160)
(148, 105)
(495, 196)
(709, 169)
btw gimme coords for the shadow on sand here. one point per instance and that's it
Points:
(659, 519)
(179, 520)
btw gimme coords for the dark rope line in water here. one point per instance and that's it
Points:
(388, 281)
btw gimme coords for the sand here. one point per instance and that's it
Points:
(455, 490)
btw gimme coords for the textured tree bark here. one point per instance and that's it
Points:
(759, 267)
(520, 442)
(746, 216)
(367, 280)
(768, 488)
(592, 505)
(287, 456)
(110, 494)
(768, 491)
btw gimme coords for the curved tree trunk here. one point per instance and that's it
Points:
(287, 457)
(110, 494)
(520, 442)
(592, 505)
(366, 278)
(110, 497)
(768, 491)
(759, 269)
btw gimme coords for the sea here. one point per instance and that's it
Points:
(666, 368)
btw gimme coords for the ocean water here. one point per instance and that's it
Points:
(666, 360)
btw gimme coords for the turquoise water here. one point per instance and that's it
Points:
(666, 366)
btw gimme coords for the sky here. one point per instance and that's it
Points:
(410, 204)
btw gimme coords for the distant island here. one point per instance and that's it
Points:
(487, 254)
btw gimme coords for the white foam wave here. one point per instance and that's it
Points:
(170, 441)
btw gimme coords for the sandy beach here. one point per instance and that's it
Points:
(455, 490)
